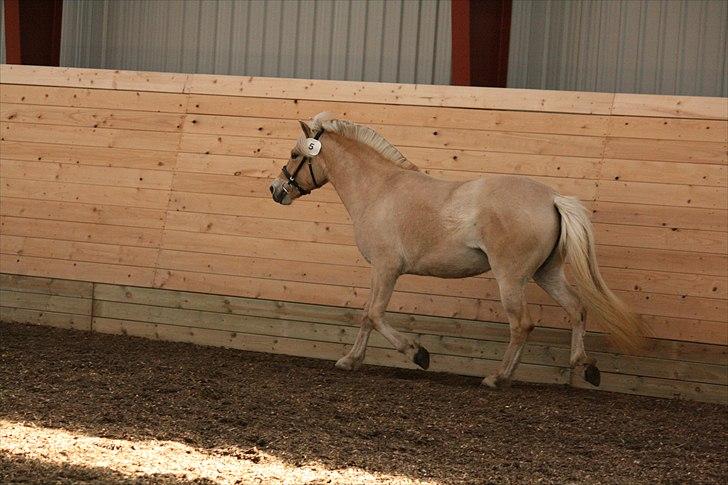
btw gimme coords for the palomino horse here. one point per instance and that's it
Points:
(406, 222)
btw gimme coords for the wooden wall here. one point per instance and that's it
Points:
(154, 187)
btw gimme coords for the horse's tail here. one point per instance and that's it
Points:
(576, 243)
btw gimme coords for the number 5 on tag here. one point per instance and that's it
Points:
(313, 147)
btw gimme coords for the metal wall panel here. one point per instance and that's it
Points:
(373, 40)
(633, 46)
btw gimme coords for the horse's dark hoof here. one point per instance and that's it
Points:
(422, 358)
(592, 375)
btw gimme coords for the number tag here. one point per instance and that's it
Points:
(313, 147)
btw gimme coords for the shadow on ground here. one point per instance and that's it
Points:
(20, 470)
(421, 425)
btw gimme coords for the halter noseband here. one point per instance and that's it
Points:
(292, 176)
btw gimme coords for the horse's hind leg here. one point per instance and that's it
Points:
(552, 279)
(512, 296)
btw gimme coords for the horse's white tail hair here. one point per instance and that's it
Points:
(576, 244)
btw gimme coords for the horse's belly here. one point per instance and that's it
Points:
(452, 264)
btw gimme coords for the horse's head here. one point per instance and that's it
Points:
(304, 171)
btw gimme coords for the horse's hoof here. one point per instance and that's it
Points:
(344, 364)
(491, 382)
(495, 382)
(592, 375)
(422, 358)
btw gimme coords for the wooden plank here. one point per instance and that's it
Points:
(685, 329)
(481, 287)
(666, 150)
(678, 306)
(264, 248)
(668, 128)
(93, 78)
(229, 165)
(659, 216)
(649, 386)
(257, 226)
(701, 107)
(402, 302)
(627, 237)
(499, 162)
(93, 98)
(239, 186)
(257, 187)
(608, 212)
(706, 331)
(390, 114)
(48, 286)
(91, 117)
(100, 156)
(495, 162)
(436, 344)
(302, 210)
(663, 194)
(73, 173)
(403, 136)
(421, 324)
(77, 270)
(625, 192)
(332, 351)
(42, 317)
(430, 161)
(408, 94)
(307, 348)
(663, 260)
(666, 282)
(78, 251)
(84, 193)
(309, 272)
(81, 231)
(96, 137)
(438, 137)
(80, 212)
(667, 260)
(45, 302)
(665, 172)
(662, 238)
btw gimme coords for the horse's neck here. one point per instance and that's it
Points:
(358, 180)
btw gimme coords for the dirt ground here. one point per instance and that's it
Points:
(144, 406)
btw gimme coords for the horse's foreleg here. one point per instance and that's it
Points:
(382, 288)
(512, 296)
(355, 357)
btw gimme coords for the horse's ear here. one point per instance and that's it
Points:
(306, 129)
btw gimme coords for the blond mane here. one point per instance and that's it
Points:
(362, 134)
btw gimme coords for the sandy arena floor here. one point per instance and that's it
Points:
(80, 407)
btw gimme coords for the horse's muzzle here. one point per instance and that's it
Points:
(277, 192)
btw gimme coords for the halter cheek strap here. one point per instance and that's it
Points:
(292, 176)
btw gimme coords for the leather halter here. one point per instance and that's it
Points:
(291, 177)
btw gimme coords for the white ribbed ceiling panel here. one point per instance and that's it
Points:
(373, 40)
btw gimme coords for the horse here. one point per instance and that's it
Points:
(407, 222)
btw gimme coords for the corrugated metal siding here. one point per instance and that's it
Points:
(373, 40)
(654, 46)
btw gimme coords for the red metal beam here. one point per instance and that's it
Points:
(480, 38)
(12, 32)
(33, 31)
(460, 42)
